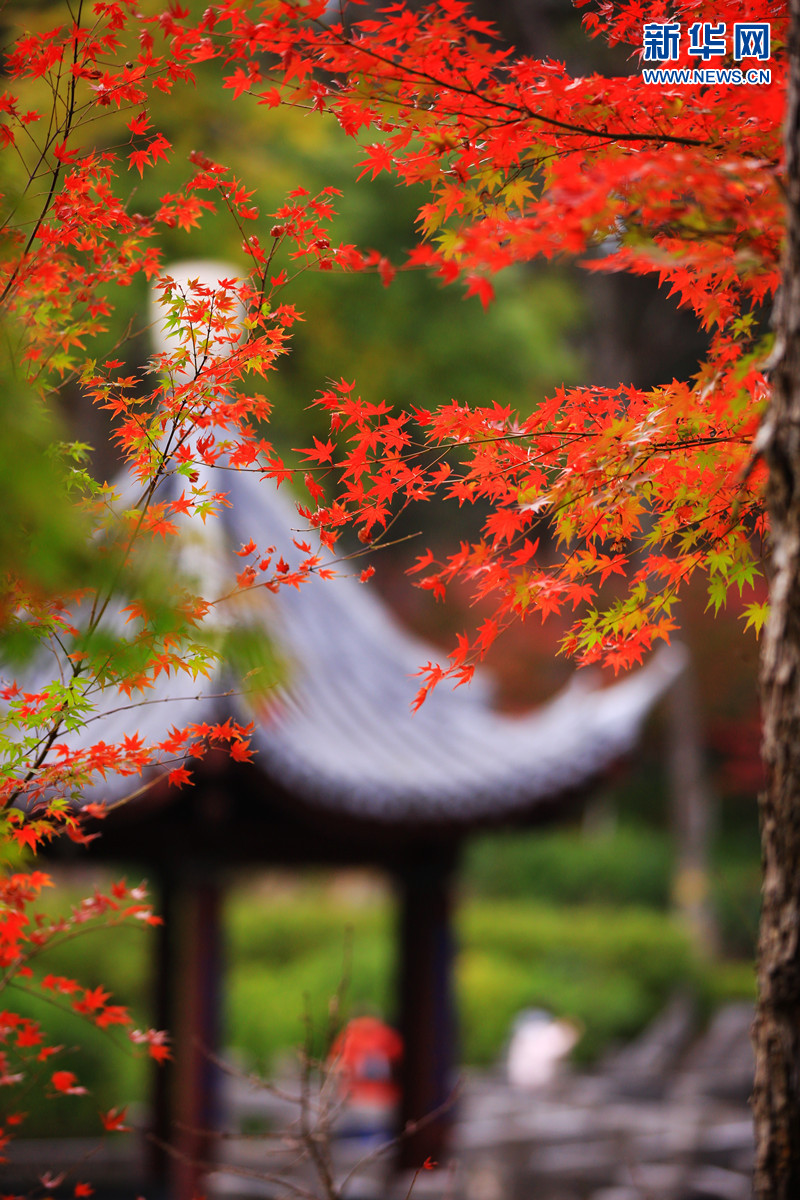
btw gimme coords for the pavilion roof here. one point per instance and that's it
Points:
(338, 731)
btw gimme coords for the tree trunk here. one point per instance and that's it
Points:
(776, 1032)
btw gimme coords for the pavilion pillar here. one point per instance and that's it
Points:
(186, 1108)
(427, 1018)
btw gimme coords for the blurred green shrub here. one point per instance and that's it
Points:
(288, 958)
(629, 865)
(609, 970)
(105, 1062)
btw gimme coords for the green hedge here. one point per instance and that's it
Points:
(609, 969)
(105, 1062)
(628, 865)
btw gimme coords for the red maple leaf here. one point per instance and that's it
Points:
(179, 777)
(114, 1120)
(67, 1083)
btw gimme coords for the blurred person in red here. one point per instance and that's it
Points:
(365, 1061)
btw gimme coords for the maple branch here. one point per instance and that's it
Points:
(107, 922)
(529, 114)
(108, 712)
(41, 758)
(56, 173)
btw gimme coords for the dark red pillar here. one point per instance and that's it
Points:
(188, 1001)
(427, 1019)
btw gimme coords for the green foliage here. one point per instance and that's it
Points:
(610, 970)
(103, 1063)
(269, 1007)
(607, 1004)
(43, 537)
(289, 957)
(118, 960)
(301, 924)
(631, 865)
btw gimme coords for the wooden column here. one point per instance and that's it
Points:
(427, 1010)
(188, 1002)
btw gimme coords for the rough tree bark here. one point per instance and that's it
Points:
(776, 1099)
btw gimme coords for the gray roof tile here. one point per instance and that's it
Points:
(339, 732)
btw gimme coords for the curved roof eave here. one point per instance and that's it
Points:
(339, 732)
